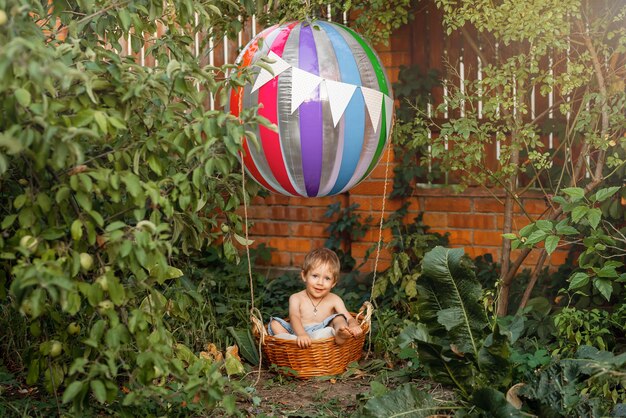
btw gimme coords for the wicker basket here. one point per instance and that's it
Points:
(323, 358)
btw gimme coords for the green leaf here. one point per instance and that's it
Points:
(566, 230)
(544, 225)
(578, 280)
(98, 390)
(233, 365)
(241, 240)
(23, 97)
(247, 345)
(551, 243)
(494, 404)
(536, 237)
(594, 215)
(8, 221)
(404, 401)
(604, 286)
(509, 236)
(452, 294)
(72, 390)
(579, 212)
(603, 194)
(77, 229)
(575, 193)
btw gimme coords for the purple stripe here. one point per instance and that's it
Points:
(311, 124)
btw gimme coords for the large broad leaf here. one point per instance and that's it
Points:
(494, 404)
(451, 294)
(494, 358)
(247, 347)
(405, 401)
(447, 367)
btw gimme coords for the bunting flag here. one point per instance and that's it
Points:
(302, 85)
(373, 101)
(339, 95)
(328, 93)
(278, 66)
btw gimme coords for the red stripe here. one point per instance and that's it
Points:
(270, 139)
(236, 105)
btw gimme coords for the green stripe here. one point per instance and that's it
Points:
(382, 85)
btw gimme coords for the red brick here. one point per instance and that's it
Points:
(393, 73)
(364, 202)
(472, 221)
(558, 258)
(533, 207)
(280, 258)
(318, 215)
(488, 205)
(447, 204)
(372, 235)
(297, 260)
(309, 230)
(279, 213)
(370, 188)
(518, 222)
(270, 229)
(292, 244)
(378, 173)
(275, 199)
(487, 238)
(435, 219)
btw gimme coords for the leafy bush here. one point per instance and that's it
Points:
(110, 174)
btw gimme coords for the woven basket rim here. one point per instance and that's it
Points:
(270, 338)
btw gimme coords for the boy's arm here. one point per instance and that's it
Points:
(303, 338)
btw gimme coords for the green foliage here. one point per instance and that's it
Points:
(347, 228)
(406, 400)
(588, 225)
(594, 327)
(111, 173)
(397, 286)
(562, 389)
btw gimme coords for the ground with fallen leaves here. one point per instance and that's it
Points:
(279, 396)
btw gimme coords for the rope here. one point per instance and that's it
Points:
(254, 312)
(380, 227)
(379, 244)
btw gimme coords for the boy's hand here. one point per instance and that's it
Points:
(303, 341)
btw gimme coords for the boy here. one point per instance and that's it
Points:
(315, 308)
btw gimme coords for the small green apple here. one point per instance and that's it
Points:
(55, 348)
(86, 261)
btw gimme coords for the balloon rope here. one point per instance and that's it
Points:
(380, 240)
(253, 311)
(380, 226)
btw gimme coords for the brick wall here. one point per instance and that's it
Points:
(473, 219)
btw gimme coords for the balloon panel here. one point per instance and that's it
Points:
(330, 97)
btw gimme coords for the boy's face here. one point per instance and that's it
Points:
(319, 280)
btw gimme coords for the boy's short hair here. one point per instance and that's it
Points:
(322, 256)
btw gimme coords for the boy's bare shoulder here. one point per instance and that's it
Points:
(296, 297)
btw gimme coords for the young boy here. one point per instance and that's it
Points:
(315, 308)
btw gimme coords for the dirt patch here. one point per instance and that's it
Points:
(279, 396)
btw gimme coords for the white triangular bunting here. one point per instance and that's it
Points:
(388, 112)
(302, 85)
(373, 102)
(278, 66)
(339, 95)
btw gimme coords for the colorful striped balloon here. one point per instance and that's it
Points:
(330, 97)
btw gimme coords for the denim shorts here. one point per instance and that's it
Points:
(308, 329)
